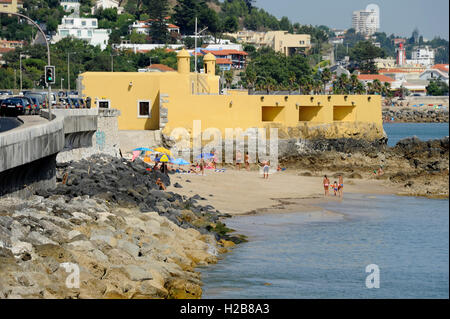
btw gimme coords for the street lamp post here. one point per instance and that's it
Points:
(20, 59)
(48, 50)
(62, 79)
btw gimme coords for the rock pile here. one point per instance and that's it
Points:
(409, 115)
(127, 238)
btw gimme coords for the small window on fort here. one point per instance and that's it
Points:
(144, 109)
(103, 104)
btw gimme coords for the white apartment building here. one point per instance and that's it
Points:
(422, 56)
(84, 29)
(143, 27)
(106, 4)
(71, 5)
(367, 21)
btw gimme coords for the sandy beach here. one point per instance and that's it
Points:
(246, 192)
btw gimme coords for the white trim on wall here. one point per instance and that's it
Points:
(149, 116)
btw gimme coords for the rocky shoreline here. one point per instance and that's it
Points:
(419, 168)
(411, 115)
(128, 239)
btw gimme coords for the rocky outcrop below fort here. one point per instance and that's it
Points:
(107, 217)
(419, 168)
(415, 115)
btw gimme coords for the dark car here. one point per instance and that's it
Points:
(36, 107)
(27, 103)
(13, 105)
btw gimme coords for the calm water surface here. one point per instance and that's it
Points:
(424, 131)
(311, 255)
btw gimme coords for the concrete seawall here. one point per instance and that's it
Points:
(28, 154)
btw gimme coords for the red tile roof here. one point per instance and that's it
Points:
(223, 61)
(399, 70)
(225, 52)
(161, 67)
(6, 50)
(372, 77)
(173, 26)
(441, 67)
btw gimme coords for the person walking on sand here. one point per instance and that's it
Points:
(238, 160)
(326, 185)
(247, 161)
(341, 186)
(202, 166)
(335, 187)
(266, 168)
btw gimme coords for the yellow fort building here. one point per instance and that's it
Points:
(167, 100)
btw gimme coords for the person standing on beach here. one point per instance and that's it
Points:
(238, 160)
(341, 186)
(202, 166)
(247, 161)
(266, 168)
(326, 185)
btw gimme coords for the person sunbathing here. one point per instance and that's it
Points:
(160, 184)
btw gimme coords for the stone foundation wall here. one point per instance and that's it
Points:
(104, 141)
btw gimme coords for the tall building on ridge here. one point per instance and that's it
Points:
(367, 21)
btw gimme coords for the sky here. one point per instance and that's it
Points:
(399, 17)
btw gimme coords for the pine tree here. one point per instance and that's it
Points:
(158, 11)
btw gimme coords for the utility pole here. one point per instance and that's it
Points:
(68, 74)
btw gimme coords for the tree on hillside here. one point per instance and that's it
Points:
(364, 53)
(158, 11)
(437, 88)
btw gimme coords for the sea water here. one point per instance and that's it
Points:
(424, 131)
(325, 255)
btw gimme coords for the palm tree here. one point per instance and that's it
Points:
(325, 76)
(377, 86)
(228, 78)
(360, 89)
(354, 83)
(370, 88)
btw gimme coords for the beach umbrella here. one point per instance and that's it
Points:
(180, 161)
(164, 159)
(163, 150)
(205, 156)
(143, 149)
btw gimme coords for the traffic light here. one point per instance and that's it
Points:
(49, 74)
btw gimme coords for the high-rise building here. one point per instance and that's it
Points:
(367, 21)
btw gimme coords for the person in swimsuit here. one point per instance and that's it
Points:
(266, 168)
(335, 187)
(341, 186)
(160, 184)
(247, 161)
(326, 184)
(238, 160)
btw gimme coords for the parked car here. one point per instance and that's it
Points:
(78, 103)
(12, 105)
(27, 103)
(36, 106)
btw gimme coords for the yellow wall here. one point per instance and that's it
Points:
(9, 7)
(235, 110)
(245, 111)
